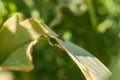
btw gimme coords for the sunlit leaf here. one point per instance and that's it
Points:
(18, 38)
(16, 44)
(91, 67)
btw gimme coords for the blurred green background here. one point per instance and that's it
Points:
(91, 24)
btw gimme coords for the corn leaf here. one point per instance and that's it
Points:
(16, 42)
(91, 67)
(18, 38)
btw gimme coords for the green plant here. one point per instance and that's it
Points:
(18, 39)
(91, 24)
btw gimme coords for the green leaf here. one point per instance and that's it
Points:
(39, 27)
(16, 42)
(91, 67)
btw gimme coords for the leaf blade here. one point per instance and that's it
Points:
(13, 38)
(91, 67)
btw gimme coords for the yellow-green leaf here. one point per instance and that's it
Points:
(91, 67)
(16, 42)
(18, 38)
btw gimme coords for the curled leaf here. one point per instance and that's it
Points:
(16, 44)
(18, 38)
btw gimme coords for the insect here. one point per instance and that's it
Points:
(61, 38)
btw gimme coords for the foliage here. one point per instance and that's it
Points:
(92, 24)
(16, 55)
